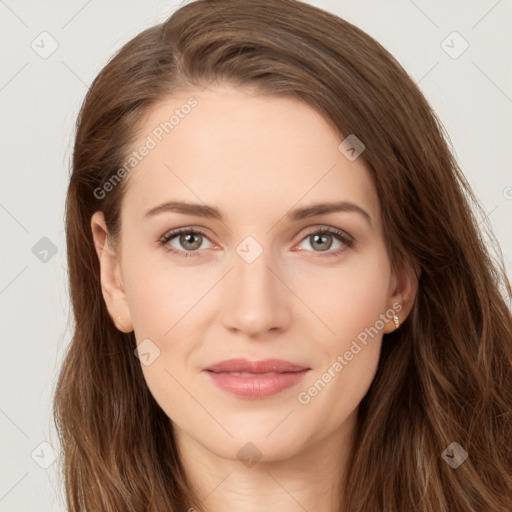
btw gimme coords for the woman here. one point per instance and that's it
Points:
(281, 296)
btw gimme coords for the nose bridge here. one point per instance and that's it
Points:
(251, 264)
(257, 300)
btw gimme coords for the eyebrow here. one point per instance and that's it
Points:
(200, 210)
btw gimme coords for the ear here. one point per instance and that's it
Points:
(404, 287)
(111, 277)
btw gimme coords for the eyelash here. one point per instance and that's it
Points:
(340, 235)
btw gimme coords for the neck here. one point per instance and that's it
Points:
(308, 480)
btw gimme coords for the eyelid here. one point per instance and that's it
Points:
(173, 233)
(339, 234)
(185, 229)
(327, 229)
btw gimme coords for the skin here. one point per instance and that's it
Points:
(254, 158)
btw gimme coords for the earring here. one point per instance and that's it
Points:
(397, 322)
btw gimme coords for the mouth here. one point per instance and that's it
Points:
(255, 379)
(248, 374)
(255, 367)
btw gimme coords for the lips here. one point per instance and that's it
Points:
(255, 367)
(255, 379)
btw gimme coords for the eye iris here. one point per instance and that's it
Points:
(322, 238)
(191, 241)
(186, 238)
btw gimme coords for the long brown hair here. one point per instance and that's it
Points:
(445, 376)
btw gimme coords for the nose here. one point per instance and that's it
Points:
(255, 298)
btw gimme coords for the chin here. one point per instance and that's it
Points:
(250, 443)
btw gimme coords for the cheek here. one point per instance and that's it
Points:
(348, 367)
(161, 305)
(159, 296)
(348, 297)
(166, 309)
(355, 298)
(363, 302)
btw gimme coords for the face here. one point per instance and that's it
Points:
(225, 254)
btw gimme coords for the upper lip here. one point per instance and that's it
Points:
(263, 366)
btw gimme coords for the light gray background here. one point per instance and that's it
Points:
(40, 99)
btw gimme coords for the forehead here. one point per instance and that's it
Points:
(232, 147)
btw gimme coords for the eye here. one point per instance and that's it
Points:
(190, 240)
(321, 240)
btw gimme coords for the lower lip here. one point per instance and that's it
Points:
(259, 386)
